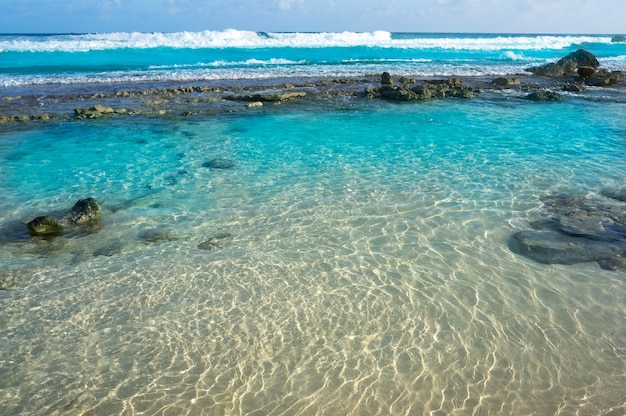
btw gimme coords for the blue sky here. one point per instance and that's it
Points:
(501, 16)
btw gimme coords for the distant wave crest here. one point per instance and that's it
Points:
(232, 38)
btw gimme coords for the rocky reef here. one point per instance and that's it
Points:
(571, 73)
(578, 229)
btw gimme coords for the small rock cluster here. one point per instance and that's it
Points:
(578, 230)
(427, 90)
(98, 111)
(581, 63)
(84, 217)
(273, 97)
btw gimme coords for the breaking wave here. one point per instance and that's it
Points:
(232, 38)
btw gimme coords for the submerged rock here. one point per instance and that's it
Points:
(581, 229)
(214, 242)
(614, 264)
(551, 247)
(219, 163)
(154, 235)
(588, 226)
(109, 249)
(85, 216)
(619, 195)
(44, 226)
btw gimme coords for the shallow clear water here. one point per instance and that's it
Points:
(360, 265)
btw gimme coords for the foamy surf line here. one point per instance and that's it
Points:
(262, 72)
(247, 39)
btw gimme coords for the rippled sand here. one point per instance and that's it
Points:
(342, 284)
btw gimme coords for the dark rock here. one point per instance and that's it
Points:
(619, 195)
(605, 78)
(506, 82)
(86, 212)
(573, 87)
(428, 90)
(267, 97)
(219, 163)
(461, 92)
(566, 65)
(397, 93)
(372, 93)
(586, 71)
(214, 242)
(385, 79)
(543, 95)
(565, 204)
(613, 264)
(550, 247)
(154, 235)
(44, 226)
(618, 38)
(581, 229)
(109, 249)
(592, 227)
(8, 279)
(451, 82)
(577, 205)
(97, 111)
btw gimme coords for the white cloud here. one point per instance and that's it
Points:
(290, 4)
(108, 5)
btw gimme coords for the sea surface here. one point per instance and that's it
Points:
(349, 258)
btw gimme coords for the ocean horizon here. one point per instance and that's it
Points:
(276, 236)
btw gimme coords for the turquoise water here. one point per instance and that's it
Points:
(360, 263)
(354, 260)
(114, 58)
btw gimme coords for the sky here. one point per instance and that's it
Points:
(472, 16)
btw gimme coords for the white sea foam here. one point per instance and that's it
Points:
(248, 39)
(223, 63)
(512, 56)
(234, 72)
